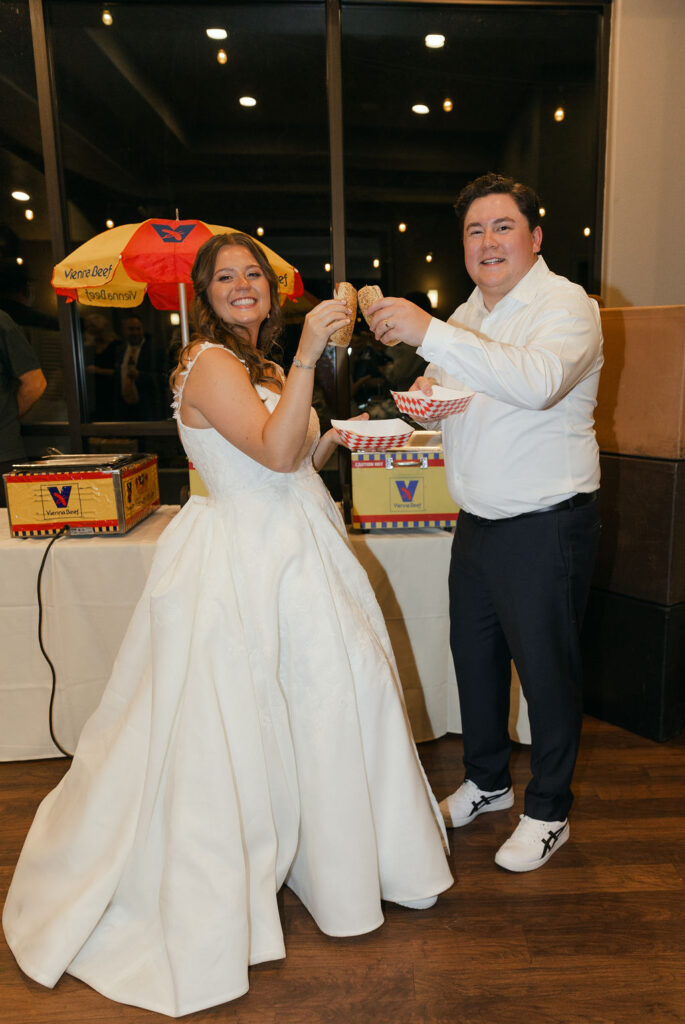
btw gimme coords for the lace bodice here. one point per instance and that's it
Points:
(224, 469)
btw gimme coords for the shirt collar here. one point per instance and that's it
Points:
(524, 292)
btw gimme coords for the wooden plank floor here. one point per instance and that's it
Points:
(597, 936)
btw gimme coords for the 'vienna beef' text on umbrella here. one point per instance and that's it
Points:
(120, 266)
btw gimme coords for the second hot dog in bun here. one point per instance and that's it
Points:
(369, 294)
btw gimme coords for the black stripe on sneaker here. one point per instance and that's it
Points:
(551, 841)
(485, 800)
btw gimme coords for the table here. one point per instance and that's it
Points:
(408, 572)
(90, 587)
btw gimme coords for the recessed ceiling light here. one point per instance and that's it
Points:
(260, 231)
(420, 108)
(434, 41)
(432, 294)
(28, 214)
(217, 33)
(247, 101)
(174, 319)
(222, 56)
(542, 211)
(23, 197)
(429, 257)
(107, 18)
(109, 223)
(447, 105)
(587, 232)
(19, 260)
(327, 267)
(559, 114)
(402, 226)
(376, 264)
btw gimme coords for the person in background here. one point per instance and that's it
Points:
(21, 384)
(101, 354)
(523, 464)
(17, 296)
(368, 384)
(142, 378)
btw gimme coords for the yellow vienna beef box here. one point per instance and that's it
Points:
(403, 488)
(196, 483)
(86, 493)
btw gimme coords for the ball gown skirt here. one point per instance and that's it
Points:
(253, 733)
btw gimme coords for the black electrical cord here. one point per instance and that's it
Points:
(40, 641)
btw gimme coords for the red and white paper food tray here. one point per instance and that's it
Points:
(373, 435)
(443, 402)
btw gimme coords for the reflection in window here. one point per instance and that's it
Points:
(127, 370)
(25, 247)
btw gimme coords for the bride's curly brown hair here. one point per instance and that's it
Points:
(207, 326)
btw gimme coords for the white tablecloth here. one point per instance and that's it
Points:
(91, 584)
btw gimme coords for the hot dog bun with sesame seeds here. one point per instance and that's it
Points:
(369, 294)
(347, 293)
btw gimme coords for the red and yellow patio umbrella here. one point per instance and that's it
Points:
(120, 266)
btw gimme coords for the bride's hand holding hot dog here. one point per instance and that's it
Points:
(320, 322)
(393, 320)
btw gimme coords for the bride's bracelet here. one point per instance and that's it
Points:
(303, 366)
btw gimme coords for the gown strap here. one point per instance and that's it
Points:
(182, 377)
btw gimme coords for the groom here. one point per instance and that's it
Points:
(523, 464)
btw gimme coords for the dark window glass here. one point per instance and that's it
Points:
(152, 123)
(491, 91)
(25, 247)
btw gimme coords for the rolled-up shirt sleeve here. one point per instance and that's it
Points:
(549, 357)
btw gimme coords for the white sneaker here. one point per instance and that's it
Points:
(531, 844)
(469, 801)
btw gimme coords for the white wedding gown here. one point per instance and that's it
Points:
(253, 733)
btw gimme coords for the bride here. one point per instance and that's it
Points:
(253, 732)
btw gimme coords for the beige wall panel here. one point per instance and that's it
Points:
(644, 214)
(641, 400)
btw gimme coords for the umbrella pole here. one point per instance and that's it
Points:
(183, 309)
